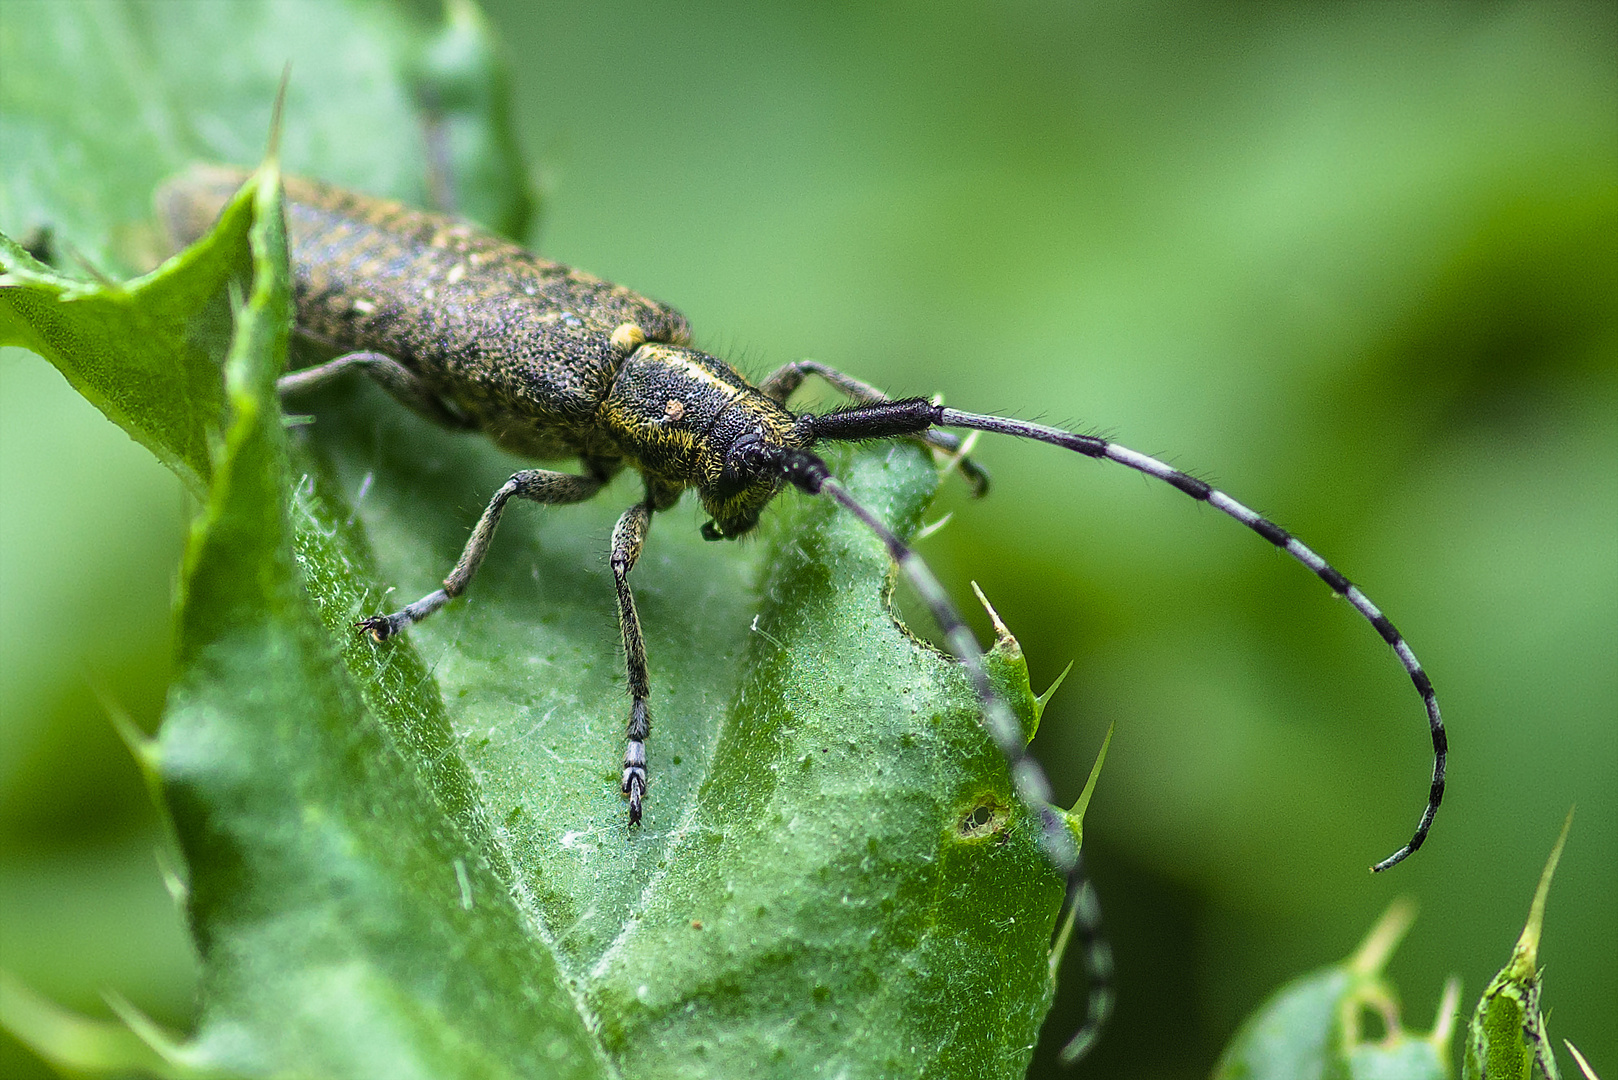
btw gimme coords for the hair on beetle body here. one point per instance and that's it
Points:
(476, 333)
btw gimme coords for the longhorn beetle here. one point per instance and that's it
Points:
(473, 332)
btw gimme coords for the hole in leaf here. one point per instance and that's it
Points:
(987, 817)
(1373, 1024)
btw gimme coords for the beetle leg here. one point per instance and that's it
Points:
(787, 378)
(627, 538)
(401, 384)
(536, 485)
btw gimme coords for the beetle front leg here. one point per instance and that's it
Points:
(627, 537)
(536, 485)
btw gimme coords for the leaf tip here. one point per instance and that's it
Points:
(930, 528)
(1525, 957)
(1449, 1011)
(75, 1044)
(1083, 803)
(1584, 1066)
(1003, 637)
(464, 14)
(1373, 954)
(272, 150)
(141, 746)
(1050, 691)
(169, 868)
(145, 1028)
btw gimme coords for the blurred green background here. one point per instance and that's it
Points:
(1356, 263)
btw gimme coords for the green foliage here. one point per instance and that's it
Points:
(77, 1045)
(401, 871)
(1393, 348)
(157, 84)
(329, 884)
(1314, 1028)
(146, 353)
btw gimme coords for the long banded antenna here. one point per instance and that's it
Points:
(1092, 446)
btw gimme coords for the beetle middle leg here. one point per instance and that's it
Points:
(535, 485)
(788, 377)
(628, 536)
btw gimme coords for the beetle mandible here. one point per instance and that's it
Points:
(474, 332)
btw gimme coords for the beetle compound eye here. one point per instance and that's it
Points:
(738, 469)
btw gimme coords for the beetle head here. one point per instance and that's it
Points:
(748, 476)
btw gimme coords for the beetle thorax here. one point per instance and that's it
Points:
(677, 412)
